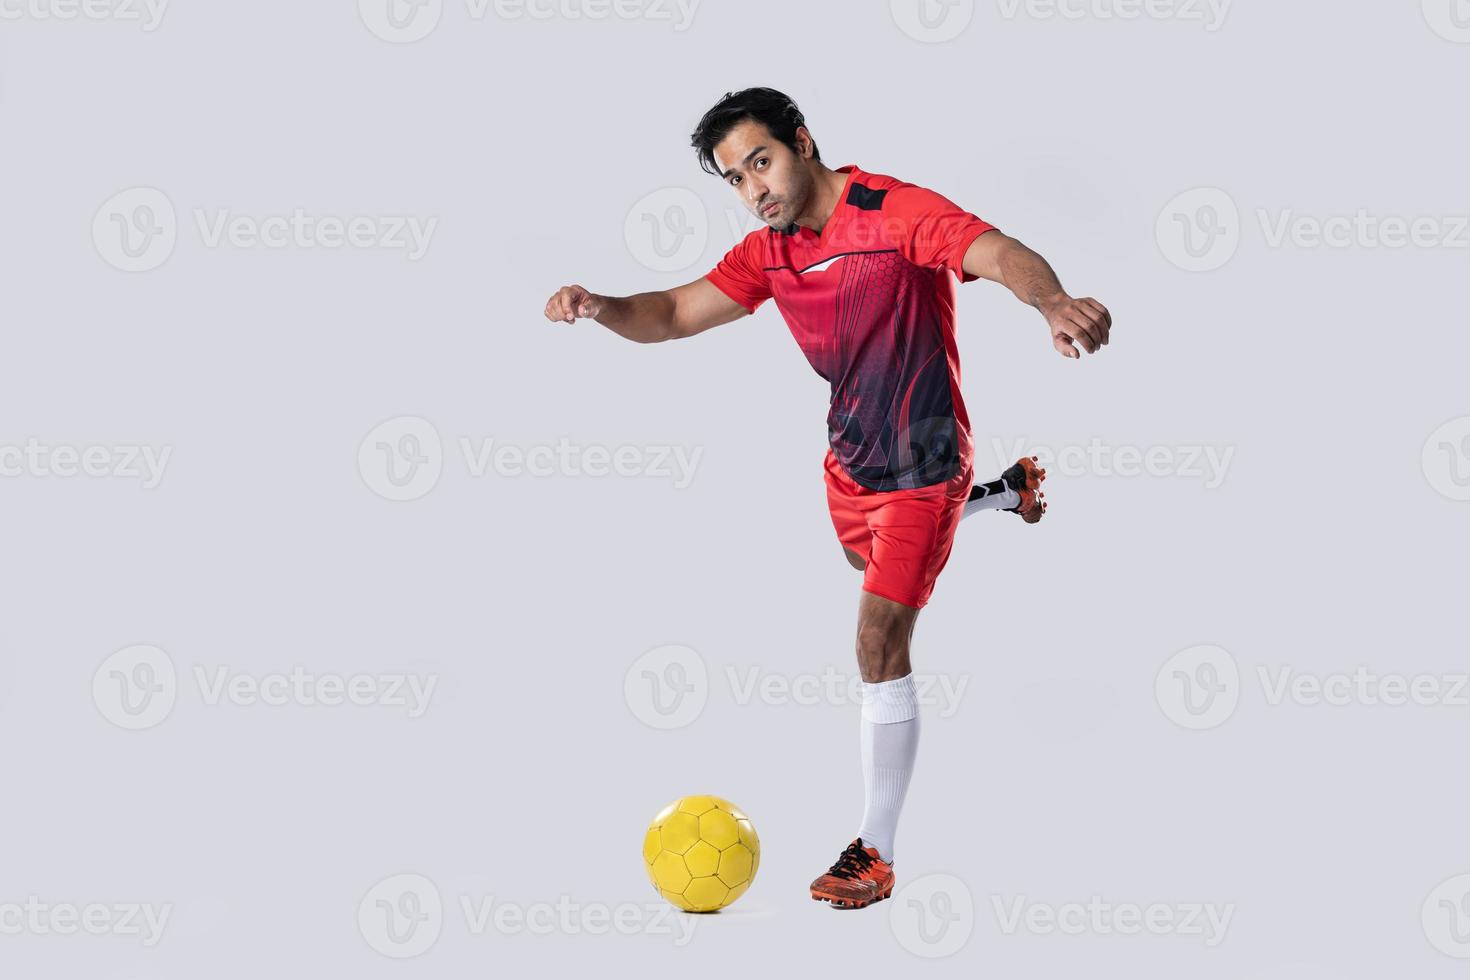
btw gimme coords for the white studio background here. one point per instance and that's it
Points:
(271, 307)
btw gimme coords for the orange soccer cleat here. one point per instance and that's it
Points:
(1024, 477)
(858, 878)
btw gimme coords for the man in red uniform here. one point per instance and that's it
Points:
(863, 268)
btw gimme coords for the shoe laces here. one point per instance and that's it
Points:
(852, 863)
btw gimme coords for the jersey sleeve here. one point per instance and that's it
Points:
(740, 276)
(930, 230)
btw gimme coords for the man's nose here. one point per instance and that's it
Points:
(755, 190)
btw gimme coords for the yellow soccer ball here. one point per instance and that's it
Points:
(701, 853)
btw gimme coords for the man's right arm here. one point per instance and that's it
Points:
(649, 318)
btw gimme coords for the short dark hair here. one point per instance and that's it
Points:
(773, 109)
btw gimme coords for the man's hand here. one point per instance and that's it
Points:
(570, 302)
(1005, 260)
(1077, 321)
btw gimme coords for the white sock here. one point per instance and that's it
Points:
(890, 740)
(998, 496)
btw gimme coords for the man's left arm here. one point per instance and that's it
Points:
(1005, 260)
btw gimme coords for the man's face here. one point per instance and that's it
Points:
(770, 180)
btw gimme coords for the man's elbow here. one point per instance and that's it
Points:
(986, 257)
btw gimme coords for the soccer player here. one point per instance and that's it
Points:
(862, 267)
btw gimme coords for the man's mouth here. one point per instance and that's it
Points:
(770, 209)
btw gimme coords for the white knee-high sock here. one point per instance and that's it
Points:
(995, 495)
(890, 740)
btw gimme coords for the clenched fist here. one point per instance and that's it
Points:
(570, 302)
(1085, 321)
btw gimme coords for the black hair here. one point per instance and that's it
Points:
(773, 109)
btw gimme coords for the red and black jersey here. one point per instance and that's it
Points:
(871, 302)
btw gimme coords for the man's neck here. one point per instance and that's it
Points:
(829, 190)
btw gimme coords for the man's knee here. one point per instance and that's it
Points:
(884, 629)
(876, 641)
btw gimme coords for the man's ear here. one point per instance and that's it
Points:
(805, 142)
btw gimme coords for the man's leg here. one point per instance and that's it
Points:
(900, 541)
(1016, 490)
(889, 734)
(890, 716)
(885, 628)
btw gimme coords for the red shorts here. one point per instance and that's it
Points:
(904, 535)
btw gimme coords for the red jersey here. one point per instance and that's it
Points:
(871, 302)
